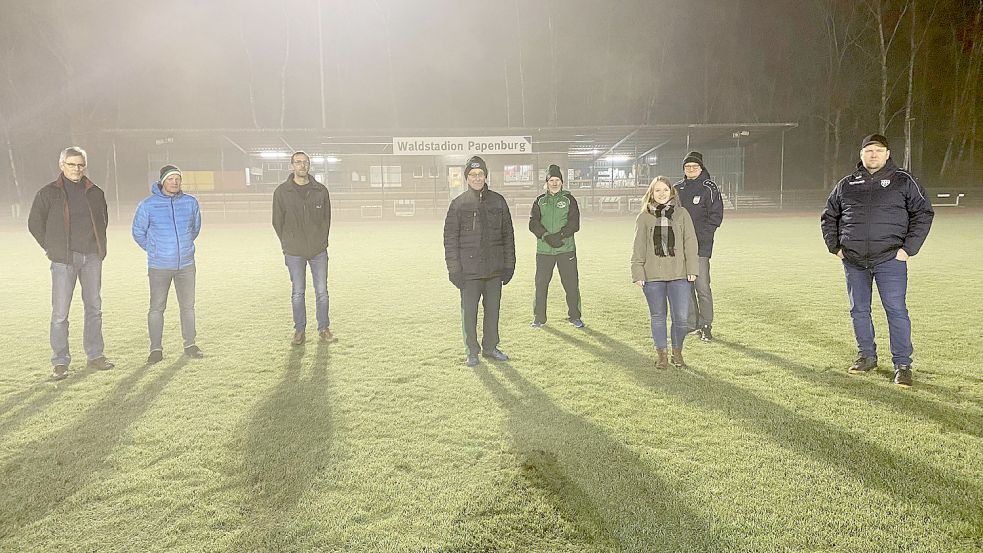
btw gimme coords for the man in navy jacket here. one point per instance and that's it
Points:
(875, 219)
(165, 225)
(699, 195)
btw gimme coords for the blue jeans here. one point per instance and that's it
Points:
(160, 286)
(677, 292)
(87, 270)
(297, 266)
(892, 284)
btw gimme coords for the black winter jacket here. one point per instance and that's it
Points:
(702, 201)
(870, 217)
(50, 220)
(302, 224)
(479, 241)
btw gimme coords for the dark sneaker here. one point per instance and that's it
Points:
(537, 324)
(705, 334)
(496, 354)
(326, 337)
(194, 352)
(60, 372)
(155, 357)
(863, 364)
(100, 364)
(299, 338)
(577, 323)
(472, 360)
(902, 375)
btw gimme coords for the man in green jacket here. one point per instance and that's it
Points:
(554, 219)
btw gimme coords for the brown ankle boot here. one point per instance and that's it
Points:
(677, 357)
(663, 362)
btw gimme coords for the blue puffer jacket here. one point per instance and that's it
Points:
(166, 227)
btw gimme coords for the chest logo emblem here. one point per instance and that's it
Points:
(562, 204)
(696, 200)
(885, 182)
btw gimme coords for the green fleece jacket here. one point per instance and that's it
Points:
(555, 214)
(645, 265)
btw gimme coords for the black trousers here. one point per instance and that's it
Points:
(489, 291)
(569, 278)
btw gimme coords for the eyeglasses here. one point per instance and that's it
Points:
(75, 165)
(691, 166)
(299, 162)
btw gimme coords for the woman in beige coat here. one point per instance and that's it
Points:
(664, 263)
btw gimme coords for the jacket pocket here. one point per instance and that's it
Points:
(494, 218)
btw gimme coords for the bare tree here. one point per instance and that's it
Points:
(522, 71)
(964, 114)
(249, 65)
(884, 42)
(843, 29)
(283, 80)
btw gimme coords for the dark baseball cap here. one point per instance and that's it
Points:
(874, 139)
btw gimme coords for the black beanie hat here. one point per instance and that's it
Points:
(475, 163)
(167, 171)
(694, 157)
(554, 171)
(874, 139)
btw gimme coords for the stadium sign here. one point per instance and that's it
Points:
(450, 145)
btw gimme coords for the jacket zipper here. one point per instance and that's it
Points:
(870, 198)
(177, 238)
(67, 217)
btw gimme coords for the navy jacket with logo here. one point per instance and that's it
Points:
(870, 217)
(702, 201)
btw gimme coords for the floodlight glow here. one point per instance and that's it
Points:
(274, 155)
(617, 159)
(332, 159)
(317, 159)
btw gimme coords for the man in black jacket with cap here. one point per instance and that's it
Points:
(876, 218)
(699, 195)
(479, 248)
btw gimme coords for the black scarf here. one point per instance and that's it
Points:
(663, 238)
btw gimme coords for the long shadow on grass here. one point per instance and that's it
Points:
(809, 330)
(899, 399)
(593, 481)
(903, 477)
(25, 404)
(287, 446)
(50, 471)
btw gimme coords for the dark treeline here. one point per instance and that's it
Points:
(908, 68)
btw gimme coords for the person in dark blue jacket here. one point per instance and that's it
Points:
(699, 195)
(165, 225)
(875, 219)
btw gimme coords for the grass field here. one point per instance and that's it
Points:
(384, 441)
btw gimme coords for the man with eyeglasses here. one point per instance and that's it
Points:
(701, 198)
(302, 221)
(875, 220)
(479, 248)
(68, 219)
